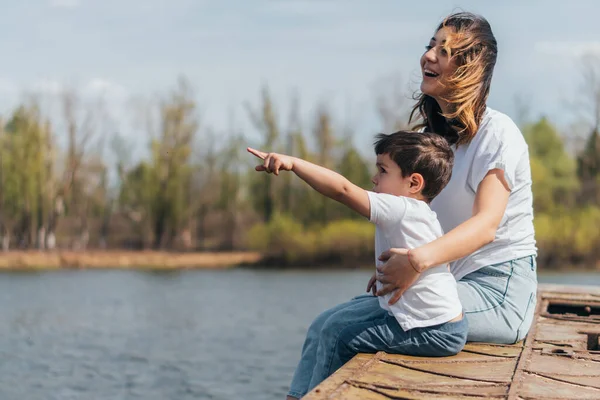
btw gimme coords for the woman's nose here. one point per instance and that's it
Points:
(430, 55)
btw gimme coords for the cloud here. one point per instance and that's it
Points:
(48, 86)
(568, 49)
(304, 8)
(65, 3)
(7, 86)
(94, 88)
(103, 87)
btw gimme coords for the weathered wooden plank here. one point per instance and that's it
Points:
(549, 364)
(539, 387)
(464, 356)
(591, 381)
(481, 389)
(561, 332)
(430, 381)
(432, 394)
(350, 392)
(372, 392)
(350, 370)
(495, 350)
(498, 372)
(382, 373)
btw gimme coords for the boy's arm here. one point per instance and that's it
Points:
(323, 180)
(333, 185)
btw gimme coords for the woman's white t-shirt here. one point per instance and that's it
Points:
(498, 144)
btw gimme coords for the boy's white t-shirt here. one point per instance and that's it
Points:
(498, 144)
(408, 223)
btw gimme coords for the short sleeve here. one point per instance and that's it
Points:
(492, 151)
(386, 209)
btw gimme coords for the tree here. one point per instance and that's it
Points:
(136, 199)
(155, 194)
(265, 121)
(171, 163)
(204, 182)
(553, 171)
(294, 144)
(391, 105)
(27, 182)
(353, 167)
(324, 135)
(230, 188)
(590, 89)
(588, 161)
(588, 169)
(81, 170)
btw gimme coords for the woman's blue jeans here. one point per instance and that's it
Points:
(498, 302)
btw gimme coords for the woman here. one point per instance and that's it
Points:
(486, 209)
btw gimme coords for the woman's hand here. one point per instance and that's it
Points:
(371, 287)
(397, 274)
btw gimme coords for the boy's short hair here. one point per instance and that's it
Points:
(425, 153)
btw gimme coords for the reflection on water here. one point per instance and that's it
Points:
(172, 335)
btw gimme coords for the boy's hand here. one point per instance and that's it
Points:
(272, 162)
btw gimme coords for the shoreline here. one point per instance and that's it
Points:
(123, 259)
(36, 260)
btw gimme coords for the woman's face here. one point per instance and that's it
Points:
(436, 66)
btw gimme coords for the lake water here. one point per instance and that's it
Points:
(165, 335)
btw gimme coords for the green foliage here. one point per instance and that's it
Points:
(565, 234)
(588, 169)
(265, 121)
(287, 241)
(347, 239)
(356, 170)
(26, 181)
(283, 238)
(553, 170)
(156, 193)
(588, 164)
(569, 236)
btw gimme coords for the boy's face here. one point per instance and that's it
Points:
(388, 178)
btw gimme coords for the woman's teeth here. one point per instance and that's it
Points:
(430, 73)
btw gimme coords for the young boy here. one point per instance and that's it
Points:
(412, 168)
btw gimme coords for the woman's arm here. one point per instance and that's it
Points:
(489, 207)
(399, 272)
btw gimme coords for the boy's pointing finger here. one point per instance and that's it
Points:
(257, 153)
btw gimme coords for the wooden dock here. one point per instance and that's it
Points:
(559, 359)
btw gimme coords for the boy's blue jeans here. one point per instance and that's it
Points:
(498, 302)
(362, 326)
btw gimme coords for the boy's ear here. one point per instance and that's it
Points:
(417, 183)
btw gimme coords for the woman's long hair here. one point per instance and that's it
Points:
(471, 45)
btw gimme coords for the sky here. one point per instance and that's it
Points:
(337, 52)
